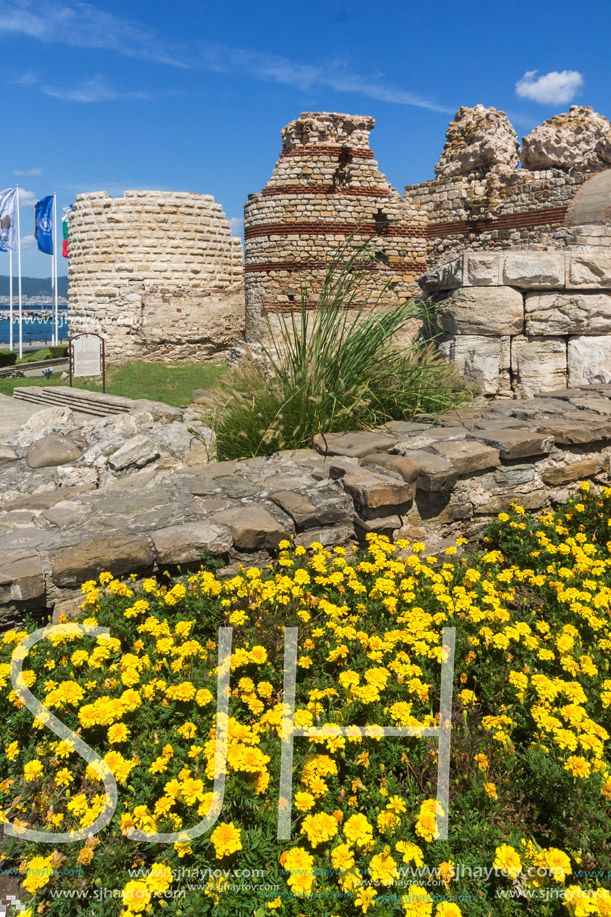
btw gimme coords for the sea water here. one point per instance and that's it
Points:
(35, 328)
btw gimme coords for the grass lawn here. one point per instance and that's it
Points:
(171, 384)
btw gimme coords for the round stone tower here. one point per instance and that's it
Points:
(157, 273)
(325, 191)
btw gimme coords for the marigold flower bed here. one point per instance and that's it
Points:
(530, 780)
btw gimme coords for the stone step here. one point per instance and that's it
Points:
(95, 403)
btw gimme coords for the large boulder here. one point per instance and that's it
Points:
(577, 141)
(478, 138)
(51, 451)
(48, 420)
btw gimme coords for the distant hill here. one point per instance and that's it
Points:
(33, 286)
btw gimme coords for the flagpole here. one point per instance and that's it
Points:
(19, 278)
(10, 298)
(56, 315)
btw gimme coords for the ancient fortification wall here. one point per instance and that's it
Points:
(325, 190)
(157, 273)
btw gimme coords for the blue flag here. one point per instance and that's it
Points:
(43, 224)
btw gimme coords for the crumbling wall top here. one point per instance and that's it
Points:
(478, 139)
(325, 128)
(576, 141)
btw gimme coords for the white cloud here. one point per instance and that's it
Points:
(27, 198)
(26, 172)
(83, 25)
(28, 243)
(94, 90)
(330, 75)
(550, 88)
(237, 225)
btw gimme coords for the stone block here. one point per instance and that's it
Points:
(538, 363)
(574, 471)
(185, 544)
(512, 443)
(590, 269)
(52, 450)
(442, 506)
(589, 360)
(377, 495)
(446, 276)
(568, 313)
(468, 457)
(319, 506)
(354, 444)
(252, 528)
(135, 453)
(21, 578)
(328, 537)
(508, 477)
(533, 270)
(477, 358)
(483, 311)
(481, 269)
(576, 428)
(386, 525)
(7, 455)
(120, 553)
(502, 502)
(436, 472)
(398, 464)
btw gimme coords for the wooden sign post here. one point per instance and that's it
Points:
(88, 357)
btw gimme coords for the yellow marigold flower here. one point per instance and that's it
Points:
(136, 896)
(304, 801)
(426, 823)
(299, 863)
(358, 830)
(342, 858)
(12, 751)
(32, 770)
(37, 872)
(417, 902)
(507, 861)
(105, 577)
(226, 839)
(319, 828)
(491, 790)
(577, 766)
(160, 878)
(383, 869)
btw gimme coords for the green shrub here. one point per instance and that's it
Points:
(335, 369)
(7, 358)
(59, 350)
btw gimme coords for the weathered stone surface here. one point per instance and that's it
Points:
(252, 527)
(327, 537)
(590, 269)
(447, 276)
(119, 553)
(398, 464)
(319, 506)
(21, 578)
(66, 512)
(468, 457)
(538, 363)
(589, 360)
(578, 141)
(568, 313)
(573, 471)
(355, 443)
(76, 476)
(42, 423)
(436, 472)
(7, 455)
(186, 544)
(477, 358)
(443, 506)
(377, 495)
(481, 269)
(576, 428)
(533, 270)
(535, 499)
(514, 444)
(52, 450)
(483, 311)
(385, 525)
(593, 405)
(135, 453)
(508, 477)
(478, 138)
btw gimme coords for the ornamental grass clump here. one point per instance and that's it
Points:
(335, 368)
(529, 814)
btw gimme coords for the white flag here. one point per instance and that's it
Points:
(8, 219)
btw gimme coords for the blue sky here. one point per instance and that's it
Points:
(191, 95)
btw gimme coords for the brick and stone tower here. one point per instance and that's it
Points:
(156, 273)
(325, 188)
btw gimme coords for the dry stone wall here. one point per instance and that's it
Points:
(519, 322)
(326, 190)
(157, 274)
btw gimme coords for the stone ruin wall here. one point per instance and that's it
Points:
(325, 191)
(157, 274)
